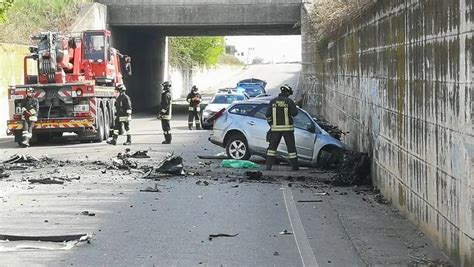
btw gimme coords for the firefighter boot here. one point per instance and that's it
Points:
(167, 139)
(129, 140)
(113, 141)
(25, 142)
(270, 162)
(294, 165)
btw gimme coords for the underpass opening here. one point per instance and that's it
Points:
(149, 50)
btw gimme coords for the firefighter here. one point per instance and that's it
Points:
(29, 109)
(123, 115)
(194, 100)
(280, 115)
(165, 112)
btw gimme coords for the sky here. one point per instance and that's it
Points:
(275, 48)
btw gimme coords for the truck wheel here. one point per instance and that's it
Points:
(106, 124)
(99, 136)
(237, 147)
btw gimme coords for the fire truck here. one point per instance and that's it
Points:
(74, 78)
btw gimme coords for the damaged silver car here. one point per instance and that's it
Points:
(242, 128)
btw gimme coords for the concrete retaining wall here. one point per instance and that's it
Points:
(93, 16)
(11, 73)
(206, 79)
(400, 80)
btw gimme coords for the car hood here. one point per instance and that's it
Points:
(215, 107)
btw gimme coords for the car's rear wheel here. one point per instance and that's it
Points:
(237, 147)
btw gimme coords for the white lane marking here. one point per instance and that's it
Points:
(304, 248)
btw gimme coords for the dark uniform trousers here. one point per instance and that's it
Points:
(123, 107)
(118, 127)
(29, 105)
(165, 116)
(194, 114)
(165, 125)
(280, 113)
(274, 140)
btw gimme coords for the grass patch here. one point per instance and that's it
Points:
(28, 17)
(226, 59)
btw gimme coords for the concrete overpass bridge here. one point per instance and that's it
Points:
(140, 28)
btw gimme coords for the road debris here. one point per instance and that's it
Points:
(425, 261)
(239, 164)
(170, 165)
(332, 129)
(21, 159)
(123, 162)
(310, 200)
(353, 168)
(140, 154)
(12, 243)
(211, 236)
(46, 181)
(4, 174)
(254, 175)
(276, 253)
(221, 155)
(322, 194)
(48, 238)
(151, 189)
(379, 198)
(87, 213)
(285, 232)
(205, 183)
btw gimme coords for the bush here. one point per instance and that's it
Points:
(28, 17)
(227, 59)
(329, 16)
(188, 52)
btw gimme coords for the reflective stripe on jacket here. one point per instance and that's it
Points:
(165, 111)
(194, 99)
(30, 108)
(123, 105)
(280, 114)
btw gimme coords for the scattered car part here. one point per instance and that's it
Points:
(211, 236)
(151, 189)
(48, 238)
(87, 213)
(46, 181)
(285, 232)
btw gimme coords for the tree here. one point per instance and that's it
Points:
(4, 6)
(195, 51)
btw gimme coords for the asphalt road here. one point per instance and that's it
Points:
(171, 228)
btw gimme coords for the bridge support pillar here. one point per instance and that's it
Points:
(148, 52)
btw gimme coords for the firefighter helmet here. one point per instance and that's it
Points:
(166, 85)
(30, 91)
(120, 88)
(286, 89)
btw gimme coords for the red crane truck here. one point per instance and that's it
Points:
(74, 78)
